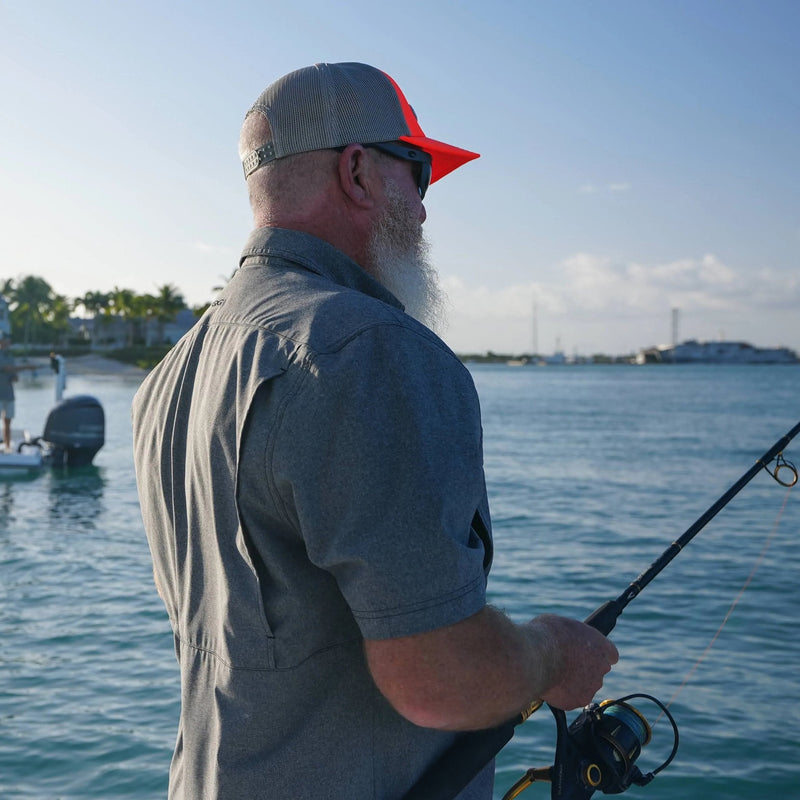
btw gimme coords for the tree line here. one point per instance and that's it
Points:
(39, 315)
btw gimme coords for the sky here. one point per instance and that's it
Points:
(637, 156)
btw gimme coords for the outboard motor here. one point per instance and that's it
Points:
(75, 431)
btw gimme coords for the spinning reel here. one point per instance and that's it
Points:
(597, 751)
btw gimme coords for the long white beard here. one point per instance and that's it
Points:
(399, 255)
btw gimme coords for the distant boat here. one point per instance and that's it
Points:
(538, 361)
(556, 359)
(74, 431)
(21, 464)
(722, 352)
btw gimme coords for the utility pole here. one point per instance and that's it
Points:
(675, 314)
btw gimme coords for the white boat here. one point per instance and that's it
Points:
(18, 465)
(74, 431)
(720, 352)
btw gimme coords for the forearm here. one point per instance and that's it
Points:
(475, 674)
(486, 669)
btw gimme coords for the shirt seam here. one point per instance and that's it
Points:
(339, 344)
(437, 602)
(187, 642)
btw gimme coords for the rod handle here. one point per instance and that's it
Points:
(604, 618)
(458, 765)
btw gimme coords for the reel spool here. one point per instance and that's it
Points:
(619, 732)
(598, 751)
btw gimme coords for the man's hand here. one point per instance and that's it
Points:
(580, 658)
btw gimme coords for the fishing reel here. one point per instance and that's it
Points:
(597, 751)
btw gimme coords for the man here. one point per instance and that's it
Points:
(310, 473)
(8, 374)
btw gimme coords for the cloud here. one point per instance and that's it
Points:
(606, 305)
(610, 188)
(213, 249)
(594, 282)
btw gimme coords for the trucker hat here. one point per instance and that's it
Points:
(332, 105)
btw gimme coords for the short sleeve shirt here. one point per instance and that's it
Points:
(309, 461)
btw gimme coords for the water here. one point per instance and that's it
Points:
(88, 685)
(592, 472)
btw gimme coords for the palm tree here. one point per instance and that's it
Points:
(144, 309)
(32, 300)
(93, 303)
(58, 317)
(122, 303)
(168, 302)
(96, 304)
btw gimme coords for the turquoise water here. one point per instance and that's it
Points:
(592, 472)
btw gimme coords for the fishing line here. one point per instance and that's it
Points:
(582, 762)
(764, 549)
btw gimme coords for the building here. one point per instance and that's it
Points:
(5, 318)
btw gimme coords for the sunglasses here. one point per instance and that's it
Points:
(420, 159)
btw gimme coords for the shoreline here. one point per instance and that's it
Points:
(90, 365)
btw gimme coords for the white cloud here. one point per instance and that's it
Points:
(213, 249)
(616, 187)
(594, 282)
(596, 304)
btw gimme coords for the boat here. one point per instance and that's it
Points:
(74, 432)
(21, 464)
(719, 352)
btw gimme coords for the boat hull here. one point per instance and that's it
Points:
(15, 465)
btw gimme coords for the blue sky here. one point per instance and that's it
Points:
(637, 155)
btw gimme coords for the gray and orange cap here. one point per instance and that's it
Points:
(333, 105)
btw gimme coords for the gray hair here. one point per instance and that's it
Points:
(285, 182)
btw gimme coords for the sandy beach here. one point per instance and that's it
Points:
(98, 365)
(89, 364)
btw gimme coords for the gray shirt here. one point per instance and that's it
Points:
(309, 461)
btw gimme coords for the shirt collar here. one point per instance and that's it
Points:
(314, 254)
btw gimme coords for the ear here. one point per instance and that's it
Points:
(359, 177)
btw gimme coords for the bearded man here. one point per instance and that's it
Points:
(310, 473)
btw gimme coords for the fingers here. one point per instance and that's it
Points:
(585, 657)
(608, 647)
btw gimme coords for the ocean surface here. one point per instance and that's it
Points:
(592, 472)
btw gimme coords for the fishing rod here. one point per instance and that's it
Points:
(609, 762)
